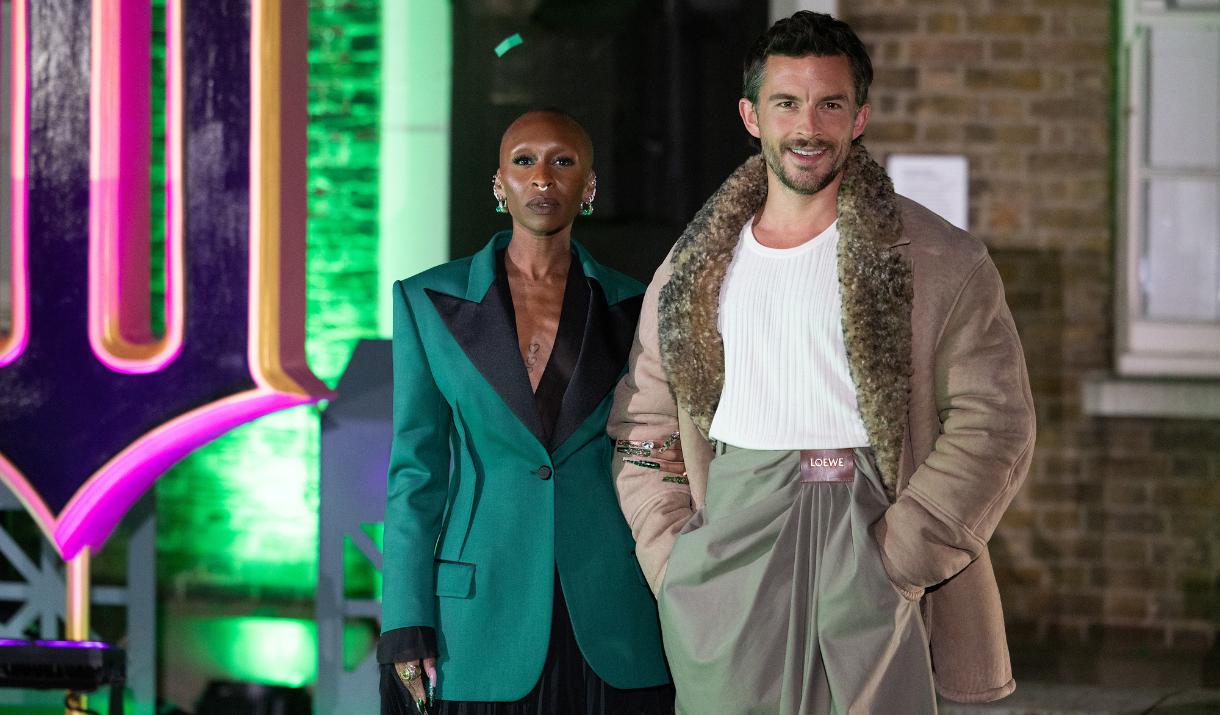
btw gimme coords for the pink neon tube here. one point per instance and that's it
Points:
(119, 161)
(12, 345)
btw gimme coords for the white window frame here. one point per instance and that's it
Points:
(1144, 347)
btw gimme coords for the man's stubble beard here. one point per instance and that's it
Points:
(774, 152)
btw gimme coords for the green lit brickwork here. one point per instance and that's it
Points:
(344, 72)
(157, 174)
(239, 517)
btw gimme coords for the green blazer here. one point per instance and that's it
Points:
(470, 474)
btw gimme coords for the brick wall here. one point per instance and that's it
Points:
(344, 111)
(1112, 548)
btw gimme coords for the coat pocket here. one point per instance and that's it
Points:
(454, 579)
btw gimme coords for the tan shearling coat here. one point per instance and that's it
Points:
(940, 380)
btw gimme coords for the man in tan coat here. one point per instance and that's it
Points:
(853, 409)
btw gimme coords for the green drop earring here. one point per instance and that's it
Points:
(501, 202)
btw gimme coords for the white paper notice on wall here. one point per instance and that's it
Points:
(940, 183)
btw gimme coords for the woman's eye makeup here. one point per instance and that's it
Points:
(529, 160)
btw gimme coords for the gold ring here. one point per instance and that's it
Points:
(410, 672)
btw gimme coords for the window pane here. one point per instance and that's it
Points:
(1184, 98)
(1182, 257)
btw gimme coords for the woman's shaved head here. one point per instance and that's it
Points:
(546, 171)
(551, 120)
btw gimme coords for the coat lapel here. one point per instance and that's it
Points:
(875, 284)
(876, 287)
(609, 333)
(484, 327)
(692, 351)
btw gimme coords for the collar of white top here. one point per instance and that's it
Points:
(747, 238)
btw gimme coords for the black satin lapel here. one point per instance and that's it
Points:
(487, 333)
(565, 353)
(609, 333)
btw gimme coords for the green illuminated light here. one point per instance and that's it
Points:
(273, 651)
(359, 641)
(360, 578)
(241, 515)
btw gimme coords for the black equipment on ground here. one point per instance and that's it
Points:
(79, 666)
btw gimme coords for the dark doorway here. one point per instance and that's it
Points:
(655, 82)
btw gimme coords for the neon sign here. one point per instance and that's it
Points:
(93, 407)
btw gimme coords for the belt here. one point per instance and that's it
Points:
(828, 465)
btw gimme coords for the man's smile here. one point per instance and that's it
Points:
(806, 156)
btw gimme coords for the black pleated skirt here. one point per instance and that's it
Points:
(568, 686)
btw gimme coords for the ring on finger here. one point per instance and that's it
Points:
(409, 672)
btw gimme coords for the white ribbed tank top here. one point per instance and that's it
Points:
(787, 384)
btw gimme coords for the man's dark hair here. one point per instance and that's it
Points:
(804, 34)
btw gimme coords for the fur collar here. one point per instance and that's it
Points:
(875, 284)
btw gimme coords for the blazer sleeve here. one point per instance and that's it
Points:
(644, 410)
(953, 502)
(403, 645)
(418, 478)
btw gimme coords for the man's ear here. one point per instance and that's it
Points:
(861, 121)
(749, 116)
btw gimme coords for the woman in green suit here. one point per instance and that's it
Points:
(511, 583)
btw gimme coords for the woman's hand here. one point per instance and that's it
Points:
(665, 457)
(671, 460)
(415, 684)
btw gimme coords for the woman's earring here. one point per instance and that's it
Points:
(501, 202)
(586, 207)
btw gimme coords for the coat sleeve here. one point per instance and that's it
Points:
(403, 645)
(418, 478)
(644, 410)
(953, 502)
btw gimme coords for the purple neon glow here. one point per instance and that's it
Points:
(14, 344)
(93, 645)
(100, 504)
(96, 509)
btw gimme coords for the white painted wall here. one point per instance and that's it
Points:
(416, 82)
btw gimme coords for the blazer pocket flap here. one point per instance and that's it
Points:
(453, 579)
